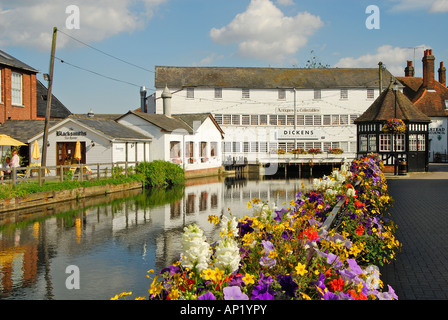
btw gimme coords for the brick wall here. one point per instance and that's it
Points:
(28, 110)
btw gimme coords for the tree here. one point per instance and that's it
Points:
(314, 62)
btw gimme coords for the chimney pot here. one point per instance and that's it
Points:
(428, 70)
(442, 74)
(409, 70)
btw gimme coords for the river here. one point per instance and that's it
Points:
(95, 248)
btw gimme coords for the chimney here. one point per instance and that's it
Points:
(428, 70)
(409, 70)
(166, 96)
(442, 74)
(143, 99)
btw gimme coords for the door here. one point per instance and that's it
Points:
(66, 152)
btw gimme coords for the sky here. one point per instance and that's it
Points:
(107, 49)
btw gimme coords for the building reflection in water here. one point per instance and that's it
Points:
(115, 241)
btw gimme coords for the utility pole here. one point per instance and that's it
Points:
(49, 94)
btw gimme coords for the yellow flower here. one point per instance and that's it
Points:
(301, 269)
(156, 288)
(248, 205)
(292, 203)
(305, 296)
(249, 279)
(213, 219)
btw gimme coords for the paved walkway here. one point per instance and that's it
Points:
(420, 271)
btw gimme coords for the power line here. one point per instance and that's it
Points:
(105, 53)
(96, 73)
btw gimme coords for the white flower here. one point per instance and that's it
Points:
(227, 255)
(351, 192)
(229, 228)
(373, 277)
(196, 250)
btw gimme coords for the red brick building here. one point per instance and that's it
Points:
(430, 96)
(18, 95)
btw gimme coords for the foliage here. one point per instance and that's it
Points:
(285, 253)
(161, 174)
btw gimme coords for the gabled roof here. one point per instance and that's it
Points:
(23, 130)
(185, 122)
(109, 127)
(268, 78)
(432, 103)
(58, 110)
(383, 108)
(10, 61)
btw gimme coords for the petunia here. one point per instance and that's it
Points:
(288, 284)
(234, 293)
(207, 296)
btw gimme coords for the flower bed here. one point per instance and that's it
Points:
(286, 254)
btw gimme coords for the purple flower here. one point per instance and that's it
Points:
(288, 284)
(268, 246)
(333, 259)
(234, 293)
(244, 228)
(265, 261)
(236, 281)
(207, 296)
(171, 269)
(331, 296)
(280, 214)
(263, 296)
(354, 266)
(261, 291)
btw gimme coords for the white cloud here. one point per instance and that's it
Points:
(285, 2)
(265, 33)
(207, 61)
(393, 58)
(30, 23)
(433, 6)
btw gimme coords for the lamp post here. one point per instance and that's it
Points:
(395, 134)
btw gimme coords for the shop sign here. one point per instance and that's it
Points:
(71, 134)
(301, 133)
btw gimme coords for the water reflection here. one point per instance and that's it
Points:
(114, 242)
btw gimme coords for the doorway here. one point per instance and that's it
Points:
(66, 151)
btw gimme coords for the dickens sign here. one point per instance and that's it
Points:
(310, 134)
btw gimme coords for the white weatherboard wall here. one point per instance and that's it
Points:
(338, 109)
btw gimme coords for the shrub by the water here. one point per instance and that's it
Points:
(161, 174)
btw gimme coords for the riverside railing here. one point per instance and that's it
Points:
(61, 173)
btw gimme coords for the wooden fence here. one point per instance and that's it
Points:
(60, 173)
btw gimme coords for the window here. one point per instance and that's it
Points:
(300, 120)
(343, 119)
(317, 120)
(203, 150)
(226, 119)
(385, 142)
(245, 147)
(327, 119)
(399, 142)
(218, 93)
(190, 93)
(245, 121)
(235, 119)
(308, 120)
(189, 146)
(290, 120)
(335, 119)
(175, 149)
(0, 85)
(372, 143)
(281, 120)
(254, 146)
(227, 146)
(446, 101)
(263, 119)
(254, 120)
(16, 89)
(344, 94)
(218, 118)
(281, 94)
(421, 143)
(370, 93)
(235, 146)
(245, 94)
(317, 94)
(273, 120)
(213, 149)
(412, 142)
(263, 147)
(363, 142)
(353, 117)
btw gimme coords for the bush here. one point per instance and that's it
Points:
(161, 174)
